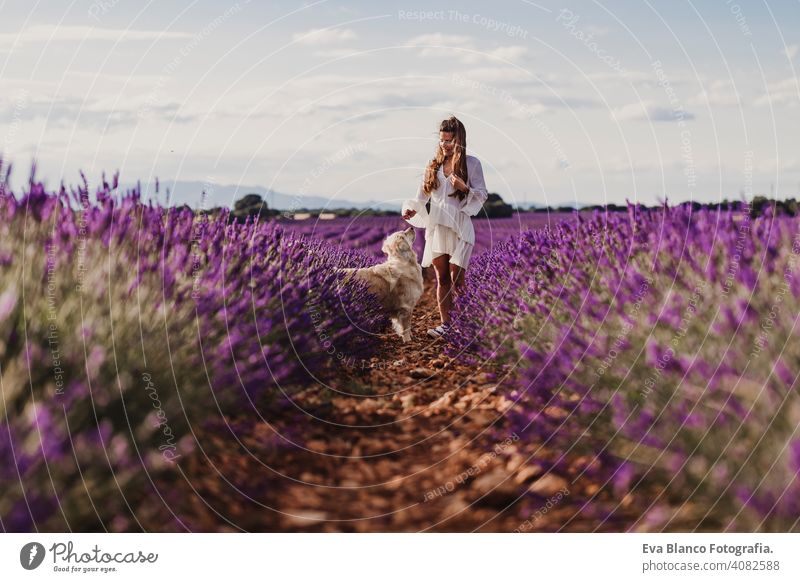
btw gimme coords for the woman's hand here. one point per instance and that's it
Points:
(409, 214)
(457, 182)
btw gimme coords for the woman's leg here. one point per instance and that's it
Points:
(457, 276)
(441, 265)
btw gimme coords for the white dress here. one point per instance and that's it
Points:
(448, 226)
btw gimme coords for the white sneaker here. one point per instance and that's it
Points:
(438, 331)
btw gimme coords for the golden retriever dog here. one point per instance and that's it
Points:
(397, 282)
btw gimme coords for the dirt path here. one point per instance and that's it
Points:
(412, 447)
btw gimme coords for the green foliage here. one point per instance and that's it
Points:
(495, 207)
(251, 205)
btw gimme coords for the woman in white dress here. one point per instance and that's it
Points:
(454, 185)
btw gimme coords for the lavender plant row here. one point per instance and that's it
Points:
(127, 330)
(659, 355)
(367, 233)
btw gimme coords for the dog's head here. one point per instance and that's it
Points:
(399, 244)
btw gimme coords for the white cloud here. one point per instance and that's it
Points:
(48, 33)
(319, 36)
(437, 39)
(631, 111)
(499, 74)
(525, 111)
(326, 81)
(491, 79)
(613, 76)
(475, 56)
(437, 44)
(646, 79)
(784, 92)
(339, 96)
(457, 105)
(508, 53)
(334, 53)
(719, 93)
(648, 111)
(770, 166)
(106, 78)
(791, 51)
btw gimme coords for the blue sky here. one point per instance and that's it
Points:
(563, 102)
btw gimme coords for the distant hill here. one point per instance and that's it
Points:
(188, 192)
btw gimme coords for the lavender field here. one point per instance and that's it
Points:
(656, 351)
(127, 327)
(367, 233)
(169, 371)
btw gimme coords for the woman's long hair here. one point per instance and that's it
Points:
(453, 125)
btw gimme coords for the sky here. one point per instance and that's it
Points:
(568, 102)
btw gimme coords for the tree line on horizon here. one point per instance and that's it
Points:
(254, 205)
